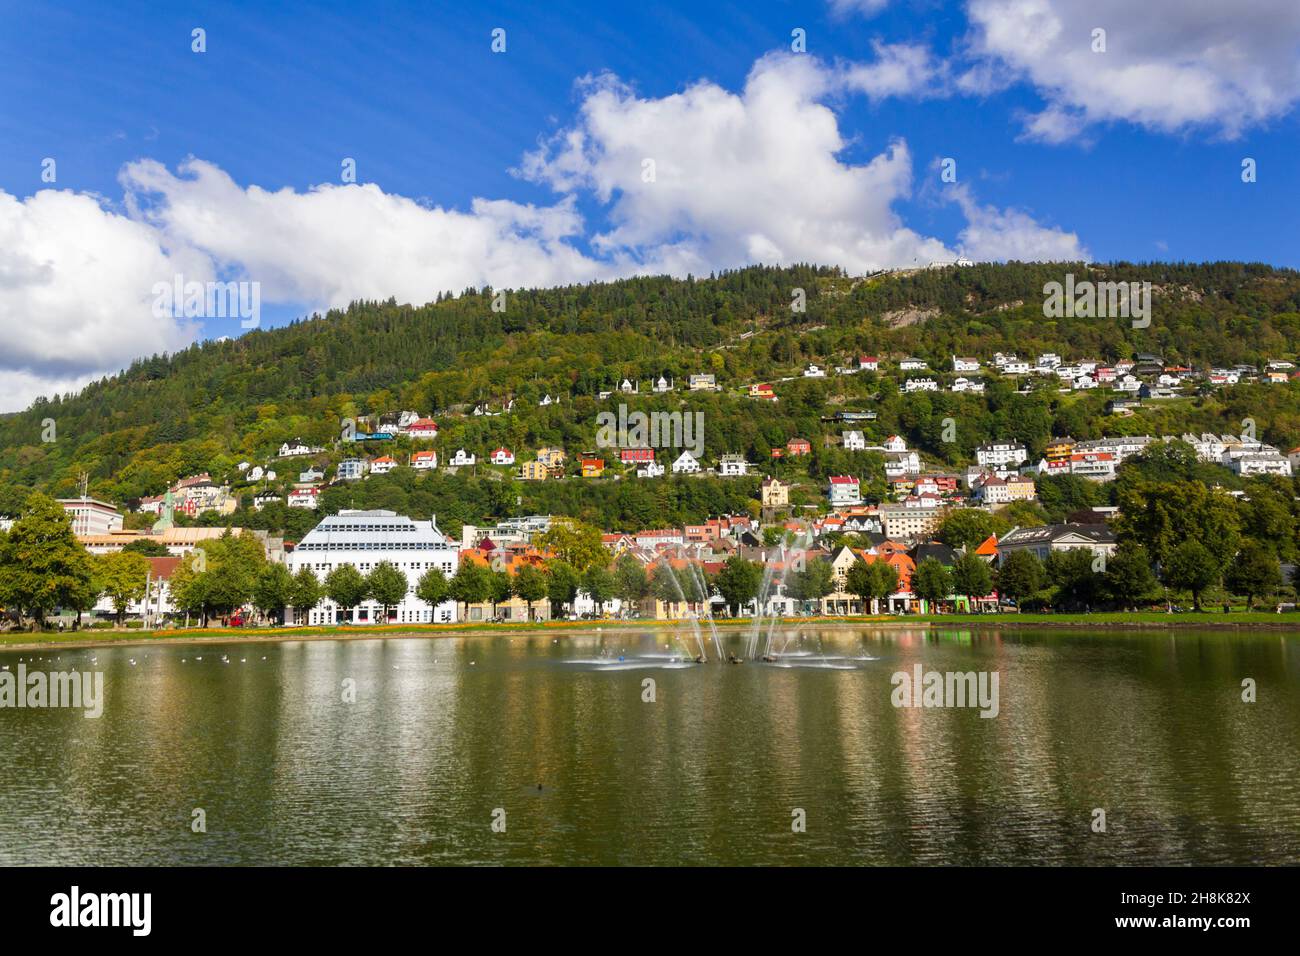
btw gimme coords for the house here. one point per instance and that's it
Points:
(503, 456)
(266, 498)
(854, 441)
(91, 516)
(703, 382)
(1045, 539)
(350, 469)
(628, 387)
(383, 465)
(424, 460)
(1059, 449)
(461, 458)
(903, 523)
(662, 385)
(912, 365)
(545, 401)
(992, 490)
(843, 491)
(798, 446)
(814, 371)
(962, 364)
(304, 498)
(636, 456)
(422, 428)
(686, 464)
(591, 467)
(292, 449)
(868, 363)
(1001, 454)
(762, 391)
(552, 458)
(732, 466)
(1021, 488)
(534, 471)
(920, 385)
(774, 493)
(651, 469)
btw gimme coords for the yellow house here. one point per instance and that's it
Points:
(776, 493)
(1058, 449)
(593, 467)
(534, 471)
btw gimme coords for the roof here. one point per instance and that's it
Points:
(989, 547)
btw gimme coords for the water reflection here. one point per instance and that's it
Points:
(558, 732)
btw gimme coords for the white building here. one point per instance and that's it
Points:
(651, 469)
(733, 466)
(1001, 454)
(912, 365)
(843, 491)
(91, 516)
(422, 428)
(461, 458)
(304, 498)
(350, 469)
(963, 364)
(854, 441)
(383, 465)
(292, 449)
(364, 539)
(266, 498)
(921, 385)
(424, 460)
(686, 464)
(503, 456)
(814, 371)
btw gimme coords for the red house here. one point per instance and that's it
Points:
(798, 446)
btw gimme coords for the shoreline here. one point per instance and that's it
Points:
(79, 640)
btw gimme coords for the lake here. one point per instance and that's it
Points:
(553, 738)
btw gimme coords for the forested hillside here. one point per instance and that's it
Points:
(218, 403)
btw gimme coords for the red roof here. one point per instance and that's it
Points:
(843, 480)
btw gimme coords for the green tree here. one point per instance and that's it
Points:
(738, 582)
(346, 587)
(631, 584)
(42, 565)
(814, 582)
(969, 527)
(122, 577)
(1191, 567)
(500, 587)
(1254, 572)
(860, 582)
(932, 582)
(1020, 575)
(972, 577)
(529, 586)
(470, 585)
(306, 592)
(388, 585)
(562, 583)
(884, 580)
(273, 590)
(1076, 575)
(598, 582)
(433, 588)
(146, 547)
(1128, 579)
(577, 544)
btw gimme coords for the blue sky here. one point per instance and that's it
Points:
(1130, 153)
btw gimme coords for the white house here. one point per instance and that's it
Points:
(814, 371)
(854, 441)
(651, 469)
(422, 428)
(995, 454)
(503, 456)
(304, 498)
(912, 365)
(383, 465)
(424, 460)
(461, 458)
(662, 385)
(292, 449)
(257, 473)
(732, 466)
(921, 385)
(264, 499)
(350, 469)
(868, 363)
(310, 475)
(363, 539)
(843, 491)
(686, 464)
(963, 364)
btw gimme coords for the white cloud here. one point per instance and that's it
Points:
(993, 234)
(1169, 65)
(76, 285)
(742, 177)
(869, 8)
(900, 69)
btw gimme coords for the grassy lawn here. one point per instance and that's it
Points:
(1104, 619)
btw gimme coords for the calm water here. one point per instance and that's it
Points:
(1149, 726)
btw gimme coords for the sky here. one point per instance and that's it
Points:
(325, 153)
